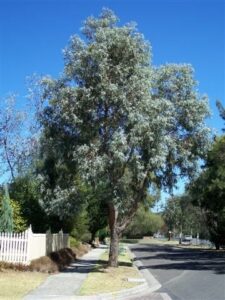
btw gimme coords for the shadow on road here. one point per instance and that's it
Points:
(172, 258)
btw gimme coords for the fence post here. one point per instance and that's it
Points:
(61, 243)
(29, 234)
(49, 242)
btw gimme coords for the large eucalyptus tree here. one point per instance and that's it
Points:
(120, 123)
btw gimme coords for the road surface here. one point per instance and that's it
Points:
(184, 274)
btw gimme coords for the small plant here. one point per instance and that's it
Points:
(74, 242)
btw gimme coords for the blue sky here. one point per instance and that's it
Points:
(34, 32)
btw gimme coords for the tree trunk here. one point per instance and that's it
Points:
(217, 245)
(114, 248)
(92, 238)
(114, 236)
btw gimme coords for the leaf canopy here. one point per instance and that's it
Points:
(118, 121)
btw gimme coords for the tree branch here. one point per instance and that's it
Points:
(8, 159)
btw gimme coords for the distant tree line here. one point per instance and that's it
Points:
(201, 210)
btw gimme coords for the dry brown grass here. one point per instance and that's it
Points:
(81, 249)
(15, 285)
(11, 266)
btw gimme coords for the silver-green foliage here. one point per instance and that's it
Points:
(130, 124)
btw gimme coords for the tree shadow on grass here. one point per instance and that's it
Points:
(87, 266)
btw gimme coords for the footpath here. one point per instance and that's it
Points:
(66, 285)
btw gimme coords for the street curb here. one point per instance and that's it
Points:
(117, 295)
(152, 282)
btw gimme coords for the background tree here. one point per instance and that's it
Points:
(6, 213)
(19, 222)
(120, 123)
(61, 188)
(97, 211)
(80, 230)
(221, 110)
(25, 190)
(16, 144)
(144, 223)
(172, 215)
(208, 191)
(181, 216)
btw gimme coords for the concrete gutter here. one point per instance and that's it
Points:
(122, 294)
(152, 283)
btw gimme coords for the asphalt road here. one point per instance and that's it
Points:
(185, 274)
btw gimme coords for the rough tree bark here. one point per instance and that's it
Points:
(114, 236)
(118, 226)
(93, 234)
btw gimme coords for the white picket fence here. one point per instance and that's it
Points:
(26, 246)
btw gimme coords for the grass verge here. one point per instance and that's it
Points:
(129, 241)
(158, 241)
(15, 285)
(104, 279)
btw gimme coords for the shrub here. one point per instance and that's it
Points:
(63, 257)
(56, 261)
(81, 249)
(74, 242)
(44, 264)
